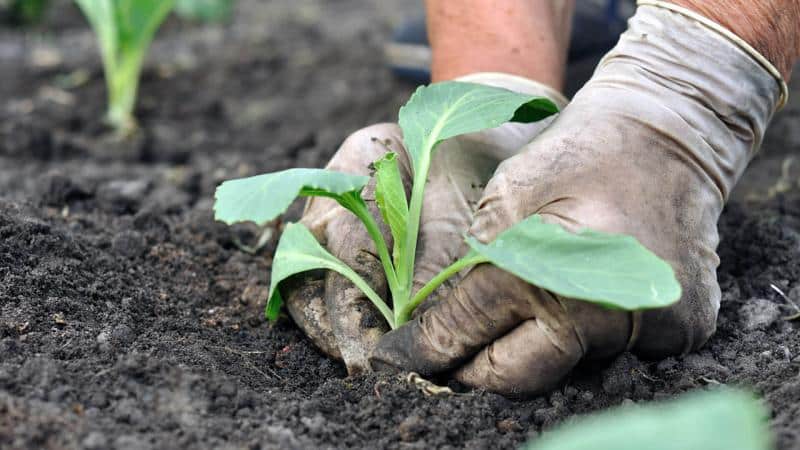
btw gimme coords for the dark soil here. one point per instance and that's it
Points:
(129, 319)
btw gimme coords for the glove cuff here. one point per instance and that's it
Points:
(694, 85)
(732, 37)
(517, 84)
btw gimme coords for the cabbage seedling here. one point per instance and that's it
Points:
(612, 270)
(721, 419)
(124, 30)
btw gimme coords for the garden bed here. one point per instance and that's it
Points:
(130, 319)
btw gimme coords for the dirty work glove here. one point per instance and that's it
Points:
(332, 311)
(650, 147)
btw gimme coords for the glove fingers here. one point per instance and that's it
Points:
(332, 225)
(483, 307)
(355, 322)
(305, 303)
(530, 359)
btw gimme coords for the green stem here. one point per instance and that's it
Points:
(359, 208)
(123, 82)
(376, 299)
(406, 266)
(402, 314)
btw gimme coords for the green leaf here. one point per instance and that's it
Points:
(717, 420)
(298, 251)
(204, 10)
(441, 111)
(444, 110)
(391, 197)
(23, 12)
(262, 198)
(613, 270)
(124, 29)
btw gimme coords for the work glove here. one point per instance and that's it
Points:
(332, 311)
(650, 147)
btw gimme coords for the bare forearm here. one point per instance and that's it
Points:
(529, 38)
(771, 26)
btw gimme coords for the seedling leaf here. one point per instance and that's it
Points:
(444, 110)
(613, 270)
(124, 30)
(262, 198)
(298, 251)
(719, 420)
(391, 197)
(441, 111)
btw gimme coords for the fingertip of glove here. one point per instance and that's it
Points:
(397, 351)
(389, 354)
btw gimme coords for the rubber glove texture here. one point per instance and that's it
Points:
(650, 147)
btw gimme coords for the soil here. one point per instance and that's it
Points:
(130, 319)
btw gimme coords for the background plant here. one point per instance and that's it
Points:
(612, 270)
(204, 10)
(124, 29)
(22, 12)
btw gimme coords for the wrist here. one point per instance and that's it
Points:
(518, 84)
(770, 26)
(527, 38)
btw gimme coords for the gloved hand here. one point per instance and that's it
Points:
(328, 307)
(650, 147)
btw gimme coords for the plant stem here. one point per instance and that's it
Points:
(359, 208)
(406, 265)
(376, 299)
(402, 314)
(122, 81)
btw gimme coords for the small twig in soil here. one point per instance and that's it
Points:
(792, 317)
(244, 354)
(791, 302)
(101, 373)
(428, 388)
(647, 377)
(785, 297)
(784, 182)
(263, 240)
(377, 389)
(708, 380)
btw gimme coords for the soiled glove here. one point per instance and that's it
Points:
(328, 307)
(650, 147)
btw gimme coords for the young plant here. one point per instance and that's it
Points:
(723, 419)
(22, 12)
(612, 270)
(124, 30)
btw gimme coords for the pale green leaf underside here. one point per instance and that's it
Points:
(298, 251)
(124, 25)
(101, 16)
(721, 420)
(262, 198)
(444, 110)
(613, 270)
(391, 197)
